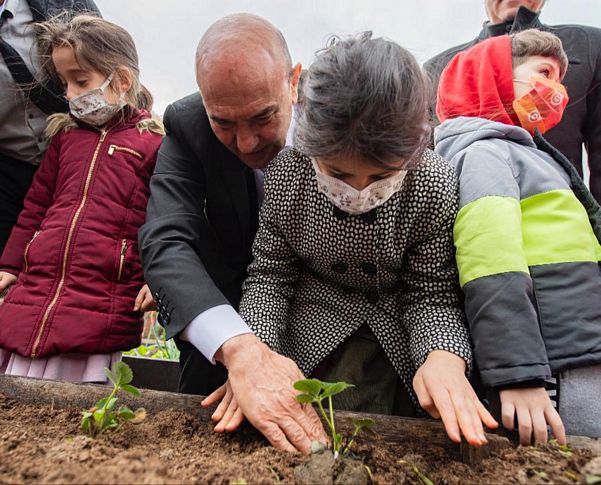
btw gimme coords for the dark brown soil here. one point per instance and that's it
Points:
(44, 445)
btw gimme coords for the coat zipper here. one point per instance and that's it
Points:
(26, 263)
(65, 258)
(122, 258)
(113, 148)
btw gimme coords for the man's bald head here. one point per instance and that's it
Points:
(248, 86)
(242, 32)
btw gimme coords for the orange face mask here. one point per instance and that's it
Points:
(542, 107)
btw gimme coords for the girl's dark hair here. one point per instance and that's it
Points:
(367, 98)
(98, 44)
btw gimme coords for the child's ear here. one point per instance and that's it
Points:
(124, 79)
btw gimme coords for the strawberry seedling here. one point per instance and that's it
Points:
(314, 391)
(104, 415)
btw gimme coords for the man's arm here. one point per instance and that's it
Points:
(170, 248)
(262, 380)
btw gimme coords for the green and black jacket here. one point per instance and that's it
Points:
(527, 238)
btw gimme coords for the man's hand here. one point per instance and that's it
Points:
(444, 392)
(228, 414)
(261, 381)
(6, 281)
(534, 410)
(144, 301)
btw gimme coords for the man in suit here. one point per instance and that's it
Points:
(24, 101)
(581, 122)
(202, 218)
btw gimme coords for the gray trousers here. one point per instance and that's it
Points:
(579, 400)
(361, 361)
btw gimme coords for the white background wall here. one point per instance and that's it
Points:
(167, 31)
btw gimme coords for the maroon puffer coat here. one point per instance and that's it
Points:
(74, 247)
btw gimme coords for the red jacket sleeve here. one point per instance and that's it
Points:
(39, 197)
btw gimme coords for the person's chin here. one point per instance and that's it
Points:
(509, 14)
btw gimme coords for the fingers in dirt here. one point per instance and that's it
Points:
(215, 396)
(508, 416)
(445, 408)
(524, 425)
(539, 426)
(223, 407)
(484, 414)
(236, 420)
(226, 414)
(424, 397)
(557, 427)
(468, 420)
(277, 438)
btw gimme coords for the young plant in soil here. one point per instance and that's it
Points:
(314, 391)
(103, 416)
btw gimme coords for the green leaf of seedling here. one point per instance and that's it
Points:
(125, 413)
(86, 422)
(98, 416)
(333, 388)
(309, 386)
(111, 403)
(305, 398)
(131, 389)
(111, 424)
(110, 375)
(123, 372)
(362, 423)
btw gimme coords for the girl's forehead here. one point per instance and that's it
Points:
(65, 61)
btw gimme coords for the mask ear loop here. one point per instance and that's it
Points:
(106, 83)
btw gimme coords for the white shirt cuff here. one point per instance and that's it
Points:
(212, 328)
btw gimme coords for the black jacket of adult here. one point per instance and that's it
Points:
(44, 9)
(581, 121)
(200, 224)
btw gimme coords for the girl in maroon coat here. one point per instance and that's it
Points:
(71, 261)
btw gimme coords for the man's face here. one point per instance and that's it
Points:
(249, 104)
(499, 11)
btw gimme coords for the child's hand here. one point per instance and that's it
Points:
(534, 411)
(227, 415)
(144, 301)
(6, 280)
(444, 392)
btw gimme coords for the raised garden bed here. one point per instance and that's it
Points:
(40, 442)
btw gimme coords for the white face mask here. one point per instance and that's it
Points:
(93, 108)
(353, 201)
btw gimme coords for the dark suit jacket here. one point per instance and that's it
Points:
(44, 9)
(581, 122)
(200, 224)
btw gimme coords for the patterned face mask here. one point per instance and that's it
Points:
(353, 201)
(93, 108)
(542, 107)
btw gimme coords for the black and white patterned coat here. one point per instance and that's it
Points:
(319, 274)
